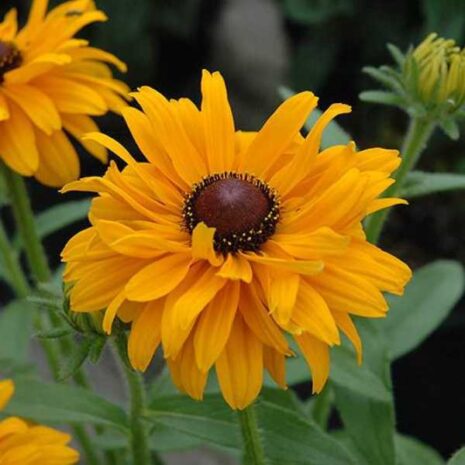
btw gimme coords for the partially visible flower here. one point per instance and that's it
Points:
(222, 242)
(428, 81)
(23, 443)
(51, 85)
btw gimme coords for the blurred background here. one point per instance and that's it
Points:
(321, 45)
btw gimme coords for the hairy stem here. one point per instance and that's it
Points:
(254, 453)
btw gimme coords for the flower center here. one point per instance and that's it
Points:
(10, 58)
(243, 209)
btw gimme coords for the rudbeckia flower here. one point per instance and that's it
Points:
(223, 242)
(51, 84)
(27, 444)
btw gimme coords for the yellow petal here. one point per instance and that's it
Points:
(7, 389)
(145, 335)
(278, 133)
(37, 106)
(282, 295)
(202, 245)
(18, 143)
(185, 373)
(311, 313)
(275, 364)
(59, 163)
(112, 310)
(4, 110)
(316, 354)
(258, 319)
(236, 268)
(214, 326)
(159, 278)
(240, 367)
(218, 123)
(77, 126)
(346, 325)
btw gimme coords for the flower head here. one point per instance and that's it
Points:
(222, 242)
(27, 444)
(51, 84)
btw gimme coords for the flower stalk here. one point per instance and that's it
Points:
(136, 389)
(416, 139)
(24, 217)
(254, 453)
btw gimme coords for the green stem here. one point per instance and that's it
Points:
(139, 433)
(39, 266)
(254, 453)
(418, 135)
(15, 273)
(24, 217)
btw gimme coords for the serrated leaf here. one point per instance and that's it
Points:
(410, 451)
(458, 458)
(382, 97)
(59, 403)
(419, 183)
(428, 300)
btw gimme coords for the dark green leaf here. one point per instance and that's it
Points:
(16, 321)
(96, 348)
(429, 298)
(59, 403)
(370, 423)
(347, 374)
(55, 333)
(458, 458)
(210, 421)
(410, 451)
(421, 183)
(290, 439)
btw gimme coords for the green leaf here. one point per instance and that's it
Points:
(382, 97)
(290, 439)
(59, 403)
(450, 128)
(59, 216)
(396, 54)
(76, 360)
(210, 421)
(428, 300)
(346, 373)
(370, 423)
(410, 451)
(333, 135)
(421, 183)
(387, 79)
(458, 458)
(15, 330)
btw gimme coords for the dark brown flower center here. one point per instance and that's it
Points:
(243, 209)
(10, 58)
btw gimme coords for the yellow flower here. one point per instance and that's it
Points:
(222, 241)
(440, 66)
(50, 85)
(22, 443)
